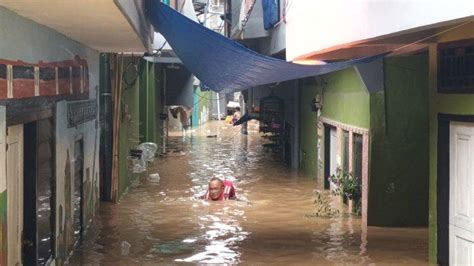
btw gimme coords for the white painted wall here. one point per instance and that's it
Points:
(314, 25)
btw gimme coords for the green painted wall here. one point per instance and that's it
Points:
(308, 131)
(158, 101)
(201, 100)
(398, 194)
(144, 101)
(150, 103)
(345, 99)
(461, 104)
(129, 131)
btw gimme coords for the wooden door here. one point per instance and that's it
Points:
(14, 193)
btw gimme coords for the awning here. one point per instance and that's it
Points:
(223, 64)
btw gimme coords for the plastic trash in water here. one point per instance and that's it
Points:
(125, 248)
(155, 178)
(148, 150)
(139, 166)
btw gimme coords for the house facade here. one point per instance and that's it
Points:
(50, 85)
(419, 113)
(398, 123)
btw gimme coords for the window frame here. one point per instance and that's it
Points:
(452, 89)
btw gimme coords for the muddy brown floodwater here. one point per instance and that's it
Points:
(161, 222)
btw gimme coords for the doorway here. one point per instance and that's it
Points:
(330, 153)
(38, 193)
(78, 189)
(14, 193)
(455, 189)
(461, 194)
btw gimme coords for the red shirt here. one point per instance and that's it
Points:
(227, 193)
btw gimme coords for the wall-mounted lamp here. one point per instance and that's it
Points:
(317, 103)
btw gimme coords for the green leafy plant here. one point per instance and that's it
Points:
(347, 186)
(323, 207)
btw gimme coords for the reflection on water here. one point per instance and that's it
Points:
(161, 221)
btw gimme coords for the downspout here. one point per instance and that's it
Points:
(147, 138)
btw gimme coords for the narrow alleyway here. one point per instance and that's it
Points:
(160, 221)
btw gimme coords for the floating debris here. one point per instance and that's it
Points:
(175, 247)
(125, 248)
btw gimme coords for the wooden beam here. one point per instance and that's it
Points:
(117, 96)
(367, 50)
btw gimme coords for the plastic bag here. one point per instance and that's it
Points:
(148, 151)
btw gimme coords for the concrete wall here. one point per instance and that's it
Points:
(203, 102)
(398, 132)
(30, 42)
(462, 104)
(399, 145)
(65, 150)
(317, 25)
(253, 27)
(129, 132)
(308, 130)
(179, 85)
(151, 102)
(345, 99)
(276, 41)
(135, 12)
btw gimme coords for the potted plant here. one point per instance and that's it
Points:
(347, 186)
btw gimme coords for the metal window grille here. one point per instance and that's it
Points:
(456, 67)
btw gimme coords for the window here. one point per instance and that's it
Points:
(47, 74)
(3, 71)
(64, 73)
(357, 155)
(345, 165)
(456, 67)
(23, 72)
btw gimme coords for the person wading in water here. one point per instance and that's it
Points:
(220, 190)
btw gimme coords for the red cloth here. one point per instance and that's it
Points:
(227, 193)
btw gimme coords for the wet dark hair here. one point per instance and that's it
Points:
(237, 108)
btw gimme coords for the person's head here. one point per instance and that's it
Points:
(216, 188)
(237, 109)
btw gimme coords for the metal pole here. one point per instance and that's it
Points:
(218, 107)
(206, 10)
(165, 110)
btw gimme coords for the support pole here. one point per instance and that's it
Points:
(218, 107)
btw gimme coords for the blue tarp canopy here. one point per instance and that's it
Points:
(223, 64)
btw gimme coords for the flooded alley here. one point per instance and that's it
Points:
(162, 221)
